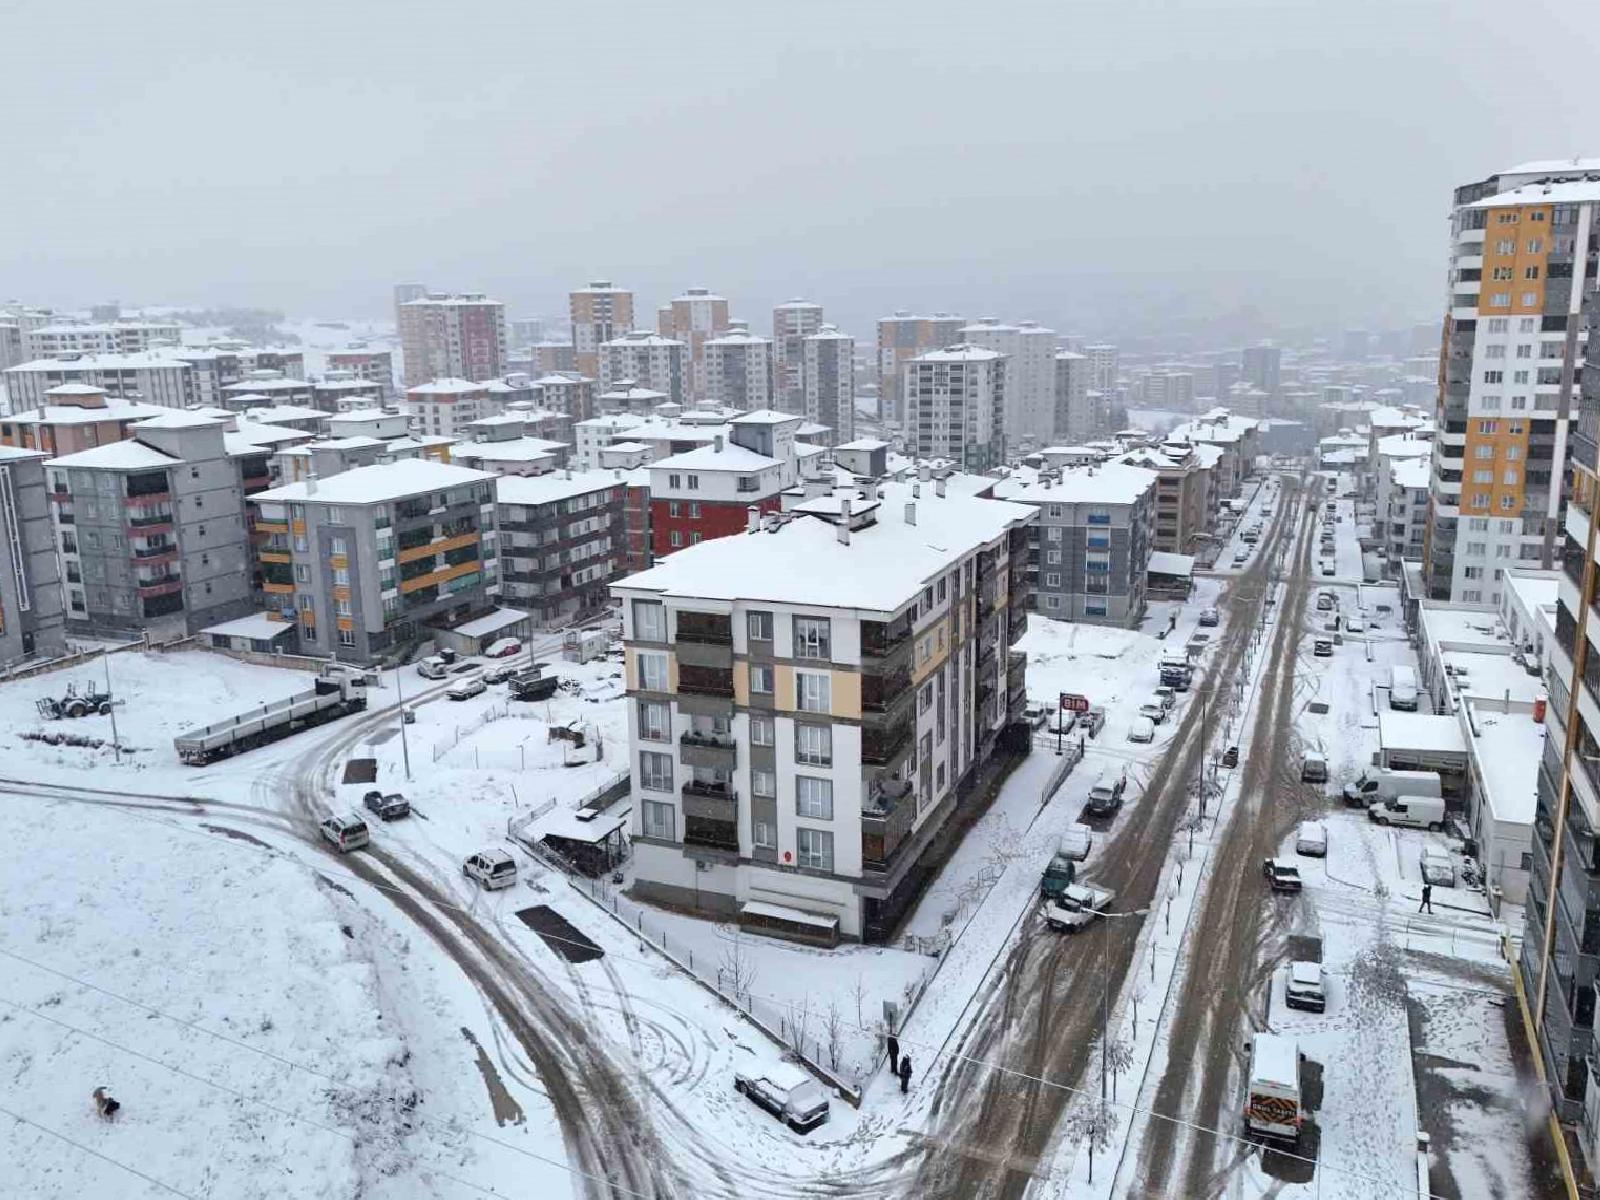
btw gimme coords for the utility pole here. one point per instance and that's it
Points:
(1105, 1001)
(405, 745)
(116, 742)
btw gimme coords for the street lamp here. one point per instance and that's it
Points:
(1105, 987)
(405, 745)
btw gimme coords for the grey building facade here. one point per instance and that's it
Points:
(32, 616)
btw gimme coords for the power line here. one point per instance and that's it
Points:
(150, 1179)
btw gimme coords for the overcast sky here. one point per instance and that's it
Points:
(1100, 165)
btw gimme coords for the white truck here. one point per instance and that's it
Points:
(1272, 1104)
(1077, 907)
(330, 697)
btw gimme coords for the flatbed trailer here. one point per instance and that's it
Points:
(328, 699)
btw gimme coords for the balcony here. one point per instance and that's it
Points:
(715, 751)
(886, 819)
(880, 639)
(881, 693)
(159, 585)
(147, 520)
(705, 681)
(884, 743)
(718, 834)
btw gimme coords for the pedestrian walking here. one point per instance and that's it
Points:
(894, 1055)
(905, 1074)
(1427, 899)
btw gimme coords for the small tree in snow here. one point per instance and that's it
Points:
(1118, 1058)
(859, 994)
(737, 971)
(1092, 1125)
(833, 1023)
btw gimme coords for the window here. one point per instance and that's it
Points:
(655, 721)
(1496, 352)
(655, 771)
(813, 848)
(1519, 377)
(672, 508)
(1506, 218)
(1505, 246)
(1513, 453)
(302, 573)
(1530, 298)
(1493, 376)
(1497, 324)
(1486, 426)
(1483, 452)
(1472, 596)
(656, 819)
(336, 545)
(764, 834)
(674, 482)
(1535, 246)
(653, 672)
(1052, 601)
(1500, 300)
(761, 679)
(341, 576)
(347, 637)
(1518, 402)
(1530, 272)
(760, 731)
(1507, 503)
(812, 637)
(692, 482)
(1052, 579)
(1052, 556)
(1476, 549)
(649, 621)
(813, 692)
(758, 625)
(1500, 273)
(813, 798)
(304, 603)
(340, 607)
(1483, 477)
(1525, 350)
(1472, 572)
(1502, 551)
(813, 744)
(1053, 533)
(1478, 524)
(763, 784)
(694, 510)
(676, 539)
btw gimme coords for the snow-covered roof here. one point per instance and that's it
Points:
(1165, 562)
(1112, 483)
(738, 337)
(282, 413)
(883, 567)
(257, 626)
(1069, 355)
(72, 414)
(960, 353)
(346, 385)
(795, 916)
(533, 490)
(1419, 731)
(1507, 748)
(633, 393)
(1275, 1059)
(1554, 166)
(267, 435)
(75, 389)
(376, 484)
(1411, 473)
(767, 416)
(255, 386)
(177, 418)
(1536, 591)
(1401, 445)
(565, 823)
(494, 622)
(612, 422)
(135, 361)
(116, 456)
(524, 449)
(642, 337)
(864, 444)
(1576, 191)
(427, 441)
(626, 447)
(445, 387)
(18, 453)
(561, 379)
(730, 457)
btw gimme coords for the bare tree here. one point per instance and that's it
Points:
(737, 971)
(1092, 1124)
(858, 992)
(1119, 1058)
(799, 1023)
(833, 1023)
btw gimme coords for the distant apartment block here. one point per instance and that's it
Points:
(75, 416)
(1262, 368)
(648, 360)
(901, 338)
(370, 364)
(563, 540)
(1103, 366)
(801, 738)
(1184, 501)
(693, 318)
(1075, 420)
(113, 337)
(600, 313)
(151, 377)
(793, 322)
(828, 382)
(738, 370)
(369, 560)
(32, 614)
(452, 336)
(955, 405)
(445, 407)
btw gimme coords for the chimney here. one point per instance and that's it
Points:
(716, 443)
(916, 491)
(752, 519)
(938, 486)
(911, 512)
(924, 471)
(844, 520)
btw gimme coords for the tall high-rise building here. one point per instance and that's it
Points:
(693, 319)
(1513, 342)
(1031, 375)
(1102, 366)
(1075, 421)
(901, 338)
(738, 370)
(460, 336)
(792, 322)
(827, 371)
(600, 312)
(1262, 367)
(32, 618)
(955, 406)
(648, 360)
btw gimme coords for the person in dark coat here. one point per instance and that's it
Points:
(1427, 899)
(905, 1074)
(894, 1055)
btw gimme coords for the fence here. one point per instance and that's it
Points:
(78, 657)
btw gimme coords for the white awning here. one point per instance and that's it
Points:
(782, 912)
(1164, 562)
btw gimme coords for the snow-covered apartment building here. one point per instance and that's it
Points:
(32, 618)
(738, 370)
(648, 360)
(955, 406)
(901, 338)
(1239, 440)
(563, 540)
(1185, 504)
(815, 699)
(150, 376)
(828, 382)
(109, 337)
(444, 336)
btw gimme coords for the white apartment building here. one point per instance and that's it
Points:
(738, 370)
(648, 360)
(955, 405)
(1075, 420)
(828, 382)
(112, 337)
(444, 407)
(150, 376)
(1102, 358)
(792, 322)
(799, 738)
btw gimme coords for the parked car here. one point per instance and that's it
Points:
(493, 869)
(784, 1090)
(1077, 907)
(1240, 559)
(1230, 756)
(1322, 648)
(1438, 868)
(1385, 783)
(346, 831)
(1355, 625)
(1060, 720)
(1312, 839)
(1209, 617)
(1413, 812)
(1093, 721)
(1154, 710)
(433, 667)
(1327, 567)
(389, 807)
(1283, 875)
(1168, 697)
(1105, 795)
(1307, 987)
(1143, 729)
(1076, 842)
(1314, 767)
(1326, 601)
(499, 673)
(466, 689)
(1036, 713)
(504, 648)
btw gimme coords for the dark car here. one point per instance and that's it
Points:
(387, 807)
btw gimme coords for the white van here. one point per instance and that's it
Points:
(433, 667)
(1414, 812)
(1403, 689)
(1382, 783)
(1312, 839)
(1272, 1105)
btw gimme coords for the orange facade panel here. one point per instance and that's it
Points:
(437, 547)
(278, 589)
(440, 576)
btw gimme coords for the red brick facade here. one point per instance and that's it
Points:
(715, 519)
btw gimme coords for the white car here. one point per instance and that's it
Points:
(472, 685)
(492, 869)
(1061, 721)
(1209, 617)
(1143, 729)
(1355, 625)
(1154, 711)
(1078, 906)
(1306, 987)
(1036, 714)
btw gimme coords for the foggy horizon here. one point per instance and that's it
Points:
(1112, 168)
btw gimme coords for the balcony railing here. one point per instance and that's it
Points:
(709, 790)
(710, 741)
(881, 693)
(704, 681)
(880, 639)
(882, 744)
(705, 627)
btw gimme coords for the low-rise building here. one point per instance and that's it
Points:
(802, 737)
(1184, 505)
(151, 377)
(363, 362)
(32, 611)
(75, 416)
(367, 561)
(445, 407)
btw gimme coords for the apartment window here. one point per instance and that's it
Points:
(692, 482)
(1487, 426)
(655, 721)
(763, 784)
(1513, 453)
(674, 482)
(341, 576)
(1527, 324)
(1472, 596)
(1505, 246)
(1480, 500)
(764, 834)
(340, 607)
(1493, 376)
(1530, 298)
(760, 731)
(302, 573)
(1530, 272)
(653, 672)
(813, 798)
(813, 848)
(1507, 218)
(1478, 524)
(1525, 350)
(1052, 601)
(676, 539)
(758, 626)
(1476, 549)
(655, 771)
(813, 744)
(813, 692)
(336, 545)
(1483, 477)
(656, 819)
(1052, 556)
(1497, 324)
(1491, 403)
(672, 508)
(812, 637)
(300, 543)
(1514, 427)
(649, 621)
(1535, 246)
(1519, 402)
(1507, 527)
(1500, 300)
(1472, 572)
(1502, 551)
(1052, 533)
(1052, 579)
(1483, 452)
(1495, 352)
(347, 637)
(304, 603)
(761, 679)
(1507, 503)
(694, 510)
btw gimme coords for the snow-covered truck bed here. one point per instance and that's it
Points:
(328, 699)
